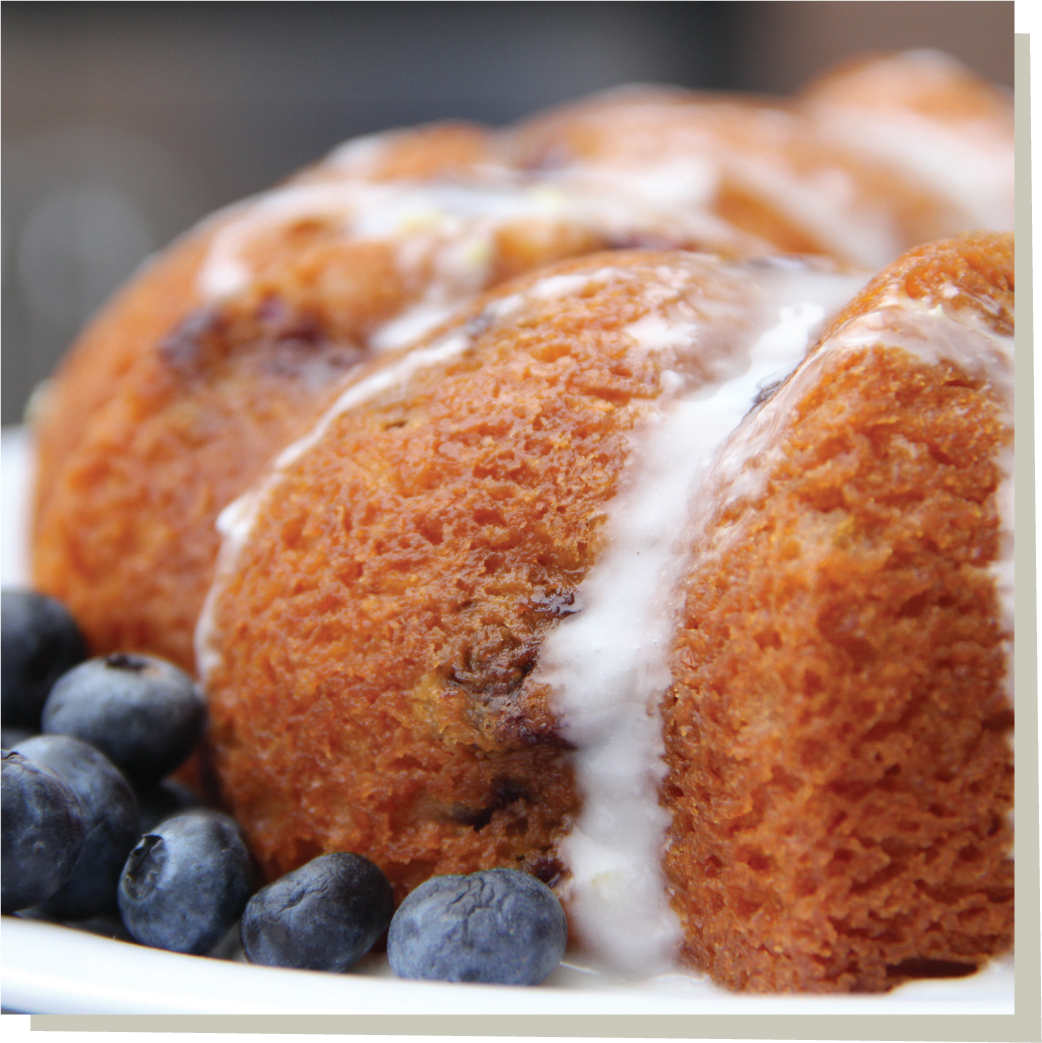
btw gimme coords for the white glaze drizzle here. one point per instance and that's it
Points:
(966, 160)
(968, 165)
(824, 201)
(608, 665)
(826, 205)
(668, 194)
(617, 891)
(930, 332)
(453, 224)
(461, 217)
(236, 521)
(410, 325)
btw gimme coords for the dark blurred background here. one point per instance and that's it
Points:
(124, 123)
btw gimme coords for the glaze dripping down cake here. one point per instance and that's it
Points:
(575, 579)
(624, 496)
(221, 349)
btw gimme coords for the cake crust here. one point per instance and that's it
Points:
(839, 735)
(224, 347)
(837, 729)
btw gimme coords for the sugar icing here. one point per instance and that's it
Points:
(236, 521)
(925, 329)
(608, 665)
(930, 332)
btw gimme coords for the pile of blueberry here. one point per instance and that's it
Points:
(96, 834)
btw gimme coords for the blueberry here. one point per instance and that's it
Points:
(163, 800)
(497, 926)
(111, 813)
(324, 916)
(144, 713)
(187, 882)
(39, 641)
(43, 829)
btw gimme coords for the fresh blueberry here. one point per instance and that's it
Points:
(143, 713)
(324, 916)
(497, 926)
(39, 641)
(187, 882)
(43, 829)
(161, 801)
(111, 814)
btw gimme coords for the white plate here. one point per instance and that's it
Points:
(56, 970)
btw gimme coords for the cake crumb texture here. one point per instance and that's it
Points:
(838, 735)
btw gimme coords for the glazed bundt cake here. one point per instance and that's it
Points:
(585, 533)
(220, 351)
(571, 497)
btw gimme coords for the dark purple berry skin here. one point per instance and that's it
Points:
(498, 926)
(143, 713)
(43, 829)
(186, 883)
(324, 916)
(39, 641)
(111, 818)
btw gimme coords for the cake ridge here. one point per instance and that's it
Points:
(607, 665)
(571, 516)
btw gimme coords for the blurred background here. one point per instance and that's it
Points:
(124, 123)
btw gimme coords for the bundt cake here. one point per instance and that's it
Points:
(571, 497)
(922, 113)
(455, 624)
(220, 350)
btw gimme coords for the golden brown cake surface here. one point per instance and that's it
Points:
(384, 640)
(223, 348)
(523, 500)
(839, 734)
(460, 511)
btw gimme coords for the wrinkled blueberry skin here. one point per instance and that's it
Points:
(111, 815)
(498, 926)
(43, 829)
(161, 801)
(187, 882)
(39, 641)
(143, 713)
(324, 916)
